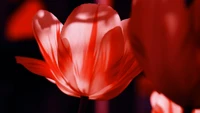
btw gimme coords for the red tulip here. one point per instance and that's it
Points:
(161, 104)
(165, 39)
(88, 56)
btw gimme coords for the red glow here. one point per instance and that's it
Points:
(19, 24)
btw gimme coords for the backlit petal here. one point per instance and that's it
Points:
(35, 66)
(108, 59)
(127, 71)
(118, 77)
(84, 29)
(40, 67)
(65, 63)
(51, 80)
(46, 28)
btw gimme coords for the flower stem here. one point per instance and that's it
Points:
(187, 110)
(83, 104)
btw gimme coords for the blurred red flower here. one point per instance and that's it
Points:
(165, 38)
(18, 26)
(161, 104)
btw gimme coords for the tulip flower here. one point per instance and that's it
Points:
(88, 56)
(161, 104)
(164, 35)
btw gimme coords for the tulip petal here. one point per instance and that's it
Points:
(84, 29)
(161, 104)
(108, 59)
(35, 66)
(154, 96)
(127, 47)
(51, 80)
(46, 28)
(40, 67)
(118, 77)
(196, 111)
(127, 73)
(111, 49)
(65, 63)
(128, 70)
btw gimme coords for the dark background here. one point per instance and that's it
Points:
(23, 92)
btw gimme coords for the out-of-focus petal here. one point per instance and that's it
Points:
(35, 66)
(196, 111)
(19, 24)
(161, 104)
(84, 29)
(153, 98)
